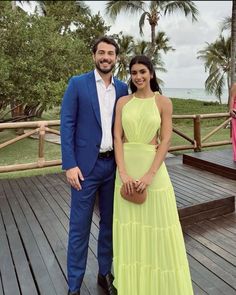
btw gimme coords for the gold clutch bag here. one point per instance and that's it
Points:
(135, 197)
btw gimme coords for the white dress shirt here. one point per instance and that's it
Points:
(106, 98)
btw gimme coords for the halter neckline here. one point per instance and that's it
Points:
(144, 98)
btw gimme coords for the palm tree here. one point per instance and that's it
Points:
(129, 47)
(233, 42)
(216, 57)
(226, 24)
(126, 45)
(161, 44)
(151, 11)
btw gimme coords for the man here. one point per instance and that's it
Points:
(87, 118)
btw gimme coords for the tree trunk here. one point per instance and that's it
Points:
(233, 42)
(13, 5)
(151, 49)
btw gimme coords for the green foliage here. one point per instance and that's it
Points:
(151, 11)
(216, 57)
(39, 54)
(130, 47)
(192, 106)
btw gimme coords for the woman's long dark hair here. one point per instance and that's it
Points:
(144, 60)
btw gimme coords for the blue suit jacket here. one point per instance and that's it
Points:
(81, 131)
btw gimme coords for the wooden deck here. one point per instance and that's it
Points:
(219, 162)
(34, 219)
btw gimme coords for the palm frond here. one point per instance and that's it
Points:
(226, 24)
(216, 58)
(142, 21)
(82, 7)
(113, 8)
(162, 41)
(187, 6)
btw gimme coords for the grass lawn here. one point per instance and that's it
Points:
(25, 151)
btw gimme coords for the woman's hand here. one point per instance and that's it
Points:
(128, 183)
(233, 113)
(144, 182)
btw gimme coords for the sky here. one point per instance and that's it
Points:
(184, 70)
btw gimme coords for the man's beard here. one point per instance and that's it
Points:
(104, 71)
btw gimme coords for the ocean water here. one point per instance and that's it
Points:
(193, 93)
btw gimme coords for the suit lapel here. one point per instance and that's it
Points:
(94, 96)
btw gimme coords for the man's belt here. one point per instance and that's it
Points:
(106, 155)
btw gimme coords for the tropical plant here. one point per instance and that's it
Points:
(35, 66)
(130, 47)
(151, 11)
(216, 57)
(126, 45)
(233, 43)
(225, 24)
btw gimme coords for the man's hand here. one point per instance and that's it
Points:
(74, 175)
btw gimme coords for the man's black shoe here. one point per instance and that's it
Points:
(106, 282)
(74, 293)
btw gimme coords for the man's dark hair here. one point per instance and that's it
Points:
(107, 40)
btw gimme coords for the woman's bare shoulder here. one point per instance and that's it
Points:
(124, 99)
(164, 100)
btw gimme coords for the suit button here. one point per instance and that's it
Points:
(97, 145)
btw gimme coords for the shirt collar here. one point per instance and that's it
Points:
(98, 78)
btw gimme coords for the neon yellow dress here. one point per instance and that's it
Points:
(149, 251)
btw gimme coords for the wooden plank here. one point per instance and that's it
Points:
(213, 263)
(48, 198)
(214, 168)
(49, 191)
(50, 258)
(199, 235)
(7, 270)
(193, 192)
(219, 239)
(1, 287)
(193, 214)
(191, 185)
(207, 280)
(44, 211)
(39, 269)
(24, 276)
(227, 224)
(197, 290)
(219, 225)
(207, 179)
(216, 162)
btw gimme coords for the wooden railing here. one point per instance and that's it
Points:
(196, 143)
(40, 128)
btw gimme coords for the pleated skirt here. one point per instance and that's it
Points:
(149, 256)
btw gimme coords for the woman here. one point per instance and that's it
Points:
(149, 251)
(232, 110)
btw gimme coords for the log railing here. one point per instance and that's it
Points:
(42, 127)
(198, 142)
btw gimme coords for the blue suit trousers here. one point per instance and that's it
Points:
(100, 180)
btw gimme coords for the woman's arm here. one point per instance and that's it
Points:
(118, 146)
(231, 101)
(166, 110)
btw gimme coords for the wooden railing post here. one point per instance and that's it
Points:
(41, 158)
(197, 133)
